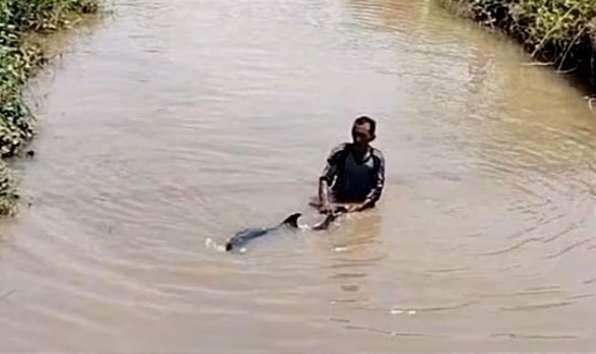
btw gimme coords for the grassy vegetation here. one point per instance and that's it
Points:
(561, 32)
(18, 60)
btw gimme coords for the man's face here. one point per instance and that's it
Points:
(361, 134)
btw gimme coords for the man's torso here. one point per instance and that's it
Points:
(356, 177)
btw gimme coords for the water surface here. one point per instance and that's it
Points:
(172, 124)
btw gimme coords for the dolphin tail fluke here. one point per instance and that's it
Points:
(323, 225)
(292, 220)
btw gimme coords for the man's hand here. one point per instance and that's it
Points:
(352, 208)
(326, 207)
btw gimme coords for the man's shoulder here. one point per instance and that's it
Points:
(339, 148)
(377, 153)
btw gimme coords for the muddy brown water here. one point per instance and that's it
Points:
(170, 125)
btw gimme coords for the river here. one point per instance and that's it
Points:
(170, 125)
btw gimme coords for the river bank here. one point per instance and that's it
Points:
(19, 58)
(558, 33)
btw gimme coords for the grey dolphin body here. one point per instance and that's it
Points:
(243, 237)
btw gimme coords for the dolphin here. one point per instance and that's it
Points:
(331, 217)
(240, 239)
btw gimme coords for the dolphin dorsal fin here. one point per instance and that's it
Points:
(292, 220)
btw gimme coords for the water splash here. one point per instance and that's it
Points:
(211, 244)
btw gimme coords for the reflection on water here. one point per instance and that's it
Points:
(172, 125)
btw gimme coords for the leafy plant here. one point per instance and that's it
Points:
(18, 59)
(559, 31)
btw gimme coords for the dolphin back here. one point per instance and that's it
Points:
(244, 236)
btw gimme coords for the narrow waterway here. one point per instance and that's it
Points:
(170, 125)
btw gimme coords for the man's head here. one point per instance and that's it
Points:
(363, 131)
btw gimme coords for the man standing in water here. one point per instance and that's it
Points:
(355, 172)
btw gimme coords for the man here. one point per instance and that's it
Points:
(355, 172)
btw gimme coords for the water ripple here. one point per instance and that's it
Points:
(568, 248)
(535, 307)
(535, 336)
(181, 122)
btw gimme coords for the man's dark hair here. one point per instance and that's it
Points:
(371, 122)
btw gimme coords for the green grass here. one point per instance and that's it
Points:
(561, 32)
(18, 61)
